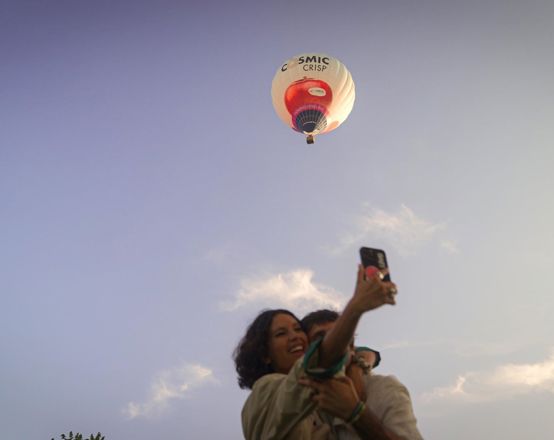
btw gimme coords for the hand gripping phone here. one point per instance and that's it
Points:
(374, 258)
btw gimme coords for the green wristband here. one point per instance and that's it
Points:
(356, 413)
(318, 372)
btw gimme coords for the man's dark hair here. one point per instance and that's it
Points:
(253, 349)
(323, 316)
(318, 317)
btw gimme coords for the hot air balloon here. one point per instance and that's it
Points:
(313, 94)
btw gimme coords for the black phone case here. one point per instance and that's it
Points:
(375, 257)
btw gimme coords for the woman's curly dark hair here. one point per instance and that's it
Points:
(254, 348)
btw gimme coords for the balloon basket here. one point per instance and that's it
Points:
(309, 139)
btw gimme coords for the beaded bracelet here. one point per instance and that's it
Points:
(356, 413)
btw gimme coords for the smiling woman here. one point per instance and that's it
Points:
(272, 356)
(261, 350)
(287, 342)
(267, 361)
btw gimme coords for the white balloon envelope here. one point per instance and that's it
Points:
(313, 93)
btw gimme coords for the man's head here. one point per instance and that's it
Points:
(317, 323)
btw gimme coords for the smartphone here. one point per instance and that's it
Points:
(376, 258)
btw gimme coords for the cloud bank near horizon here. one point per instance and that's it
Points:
(167, 386)
(503, 382)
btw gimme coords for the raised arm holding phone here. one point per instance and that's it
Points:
(271, 358)
(364, 405)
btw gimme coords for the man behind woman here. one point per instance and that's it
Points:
(388, 407)
(273, 358)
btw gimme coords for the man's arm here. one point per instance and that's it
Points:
(338, 397)
(370, 293)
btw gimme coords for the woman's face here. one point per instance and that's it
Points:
(287, 342)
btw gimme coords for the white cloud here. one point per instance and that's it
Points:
(503, 382)
(450, 246)
(293, 290)
(404, 231)
(170, 385)
(450, 392)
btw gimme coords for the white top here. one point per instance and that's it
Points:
(389, 400)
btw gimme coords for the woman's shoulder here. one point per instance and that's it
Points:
(262, 393)
(268, 380)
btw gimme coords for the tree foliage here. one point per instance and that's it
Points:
(79, 436)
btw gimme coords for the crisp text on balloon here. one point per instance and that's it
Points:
(314, 67)
(309, 59)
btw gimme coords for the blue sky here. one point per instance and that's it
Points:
(153, 203)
